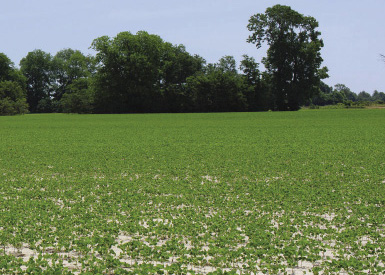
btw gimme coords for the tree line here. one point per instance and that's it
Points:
(137, 73)
(341, 94)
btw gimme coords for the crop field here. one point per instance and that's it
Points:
(226, 193)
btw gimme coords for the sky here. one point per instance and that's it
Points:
(352, 30)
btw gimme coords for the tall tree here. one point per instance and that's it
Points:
(12, 98)
(6, 67)
(137, 71)
(12, 88)
(256, 92)
(37, 68)
(293, 58)
(69, 66)
(9, 72)
(128, 72)
(218, 89)
(227, 64)
(79, 97)
(175, 67)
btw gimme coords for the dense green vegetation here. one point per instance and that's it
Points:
(342, 95)
(293, 60)
(142, 73)
(12, 88)
(145, 193)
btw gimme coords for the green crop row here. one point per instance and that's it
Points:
(225, 193)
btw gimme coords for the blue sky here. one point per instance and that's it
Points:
(353, 31)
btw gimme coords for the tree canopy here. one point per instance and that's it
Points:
(37, 68)
(12, 92)
(293, 58)
(137, 73)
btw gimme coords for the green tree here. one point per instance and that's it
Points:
(293, 57)
(128, 72)
(378, 96)
(69, 66)
(12, 88)
(256, 92)
(227, 64)
(37, 68)
(138, 72)
(175, 67)
(327, 96)
(364, 96)
(346, 91)
(79, 97)
(12, 98)
(337, 97)
(177, 64)
(218, 89)
(9, 72)
(6, 67)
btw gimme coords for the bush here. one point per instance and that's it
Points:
(79, 99)
(10, 107)
(12, 99)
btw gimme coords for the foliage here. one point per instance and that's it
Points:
(12, 99)
(347, 93)
(141, 73)
(378, 96)
(364, 96)
(293, 58)
(78, 98)
(256, 92)
(70, 66)
(9, 73)
(37, 68)
(12, 93)
(342, 96)
(136, 70)
(49, 78)
(218, 89)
